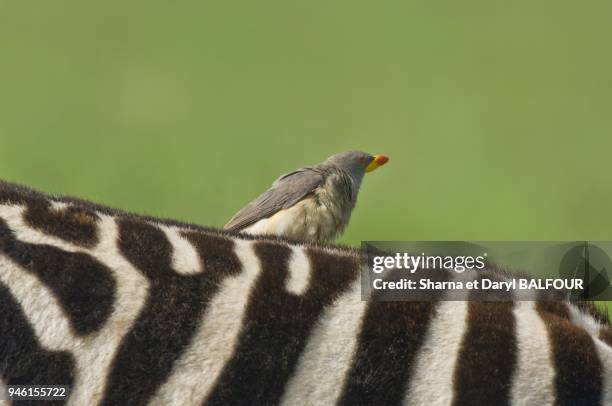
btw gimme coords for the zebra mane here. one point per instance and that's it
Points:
(79, 210)
(13, 193)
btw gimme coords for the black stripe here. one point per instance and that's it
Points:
(77, 225)
(22, 360)
(488, 355)
(278, 324)
(578, 378)
(84, 287)
(391, 335)
(174, 308)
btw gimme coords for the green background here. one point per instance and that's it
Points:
(496, 115)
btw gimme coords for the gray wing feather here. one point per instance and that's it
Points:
(286, 191)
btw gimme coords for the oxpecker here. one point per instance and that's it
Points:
(312, 203)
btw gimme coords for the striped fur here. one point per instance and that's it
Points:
(134, 310)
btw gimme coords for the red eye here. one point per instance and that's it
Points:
(361, 160)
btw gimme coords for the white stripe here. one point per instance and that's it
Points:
(185, 259)
(604, 352)
(3, 393)
(327, 358)
(50, 324)
(583, 319)
(57, 205)
(432, 378)
(215, 340)
(299, 271)
(533, 381)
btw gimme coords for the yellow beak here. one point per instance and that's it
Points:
(379, 160)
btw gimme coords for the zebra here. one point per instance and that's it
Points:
(126, 309)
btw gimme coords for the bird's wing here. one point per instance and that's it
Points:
(286, 191)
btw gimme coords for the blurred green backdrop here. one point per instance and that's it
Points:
(497, 116)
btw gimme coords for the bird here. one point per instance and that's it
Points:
(313, 203)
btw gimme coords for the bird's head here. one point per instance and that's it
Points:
(357, 163)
